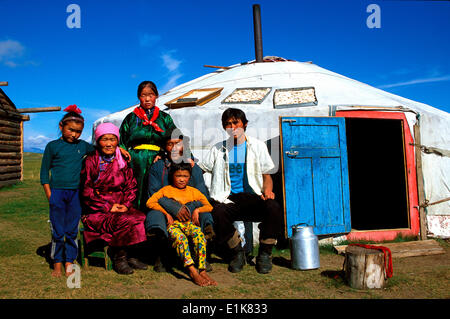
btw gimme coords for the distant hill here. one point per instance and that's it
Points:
(33, 150)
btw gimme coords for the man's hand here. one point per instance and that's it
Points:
(267, 188)
(267, 195)
(125, 154)
(183, 214)
(157, 158)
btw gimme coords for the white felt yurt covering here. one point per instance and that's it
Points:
(333, 92)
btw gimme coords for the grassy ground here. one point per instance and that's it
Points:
(26, 274)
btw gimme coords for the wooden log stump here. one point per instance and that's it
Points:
(364, 268)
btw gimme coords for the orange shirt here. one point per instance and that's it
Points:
(182, 196)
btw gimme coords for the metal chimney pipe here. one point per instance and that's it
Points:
(257, 33)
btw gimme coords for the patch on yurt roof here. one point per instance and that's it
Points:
(248, 95)
(194, 97)
(294, 97)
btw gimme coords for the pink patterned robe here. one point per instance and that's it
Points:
(100, 190)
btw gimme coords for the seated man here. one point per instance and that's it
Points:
(241, 189)
(176, 151)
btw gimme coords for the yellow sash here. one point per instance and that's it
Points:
(150, 147)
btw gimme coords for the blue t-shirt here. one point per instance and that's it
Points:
(238, 176)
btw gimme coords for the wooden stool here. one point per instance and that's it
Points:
(96, 253)
(364, 268)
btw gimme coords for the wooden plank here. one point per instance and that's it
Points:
(9, 137)
(217, 67)
(9, 130)
(39, 109)
(9, 148)
(10, 176)
(14, 124)
(9, 169)
(420, 188)
(14, 115)
(10, 155)
(9, 161)
(3, 83)
(3, 142)
(406, 249)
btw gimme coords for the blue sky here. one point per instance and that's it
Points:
(121, 43)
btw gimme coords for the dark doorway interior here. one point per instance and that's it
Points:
(377, 176)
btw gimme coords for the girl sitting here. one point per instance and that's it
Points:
(180, 230)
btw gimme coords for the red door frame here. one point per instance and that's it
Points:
(380, 235)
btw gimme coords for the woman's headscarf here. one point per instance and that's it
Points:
(109, 128)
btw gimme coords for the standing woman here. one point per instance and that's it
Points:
(142, 133)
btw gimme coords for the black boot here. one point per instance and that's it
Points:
(237, 260)
(133, 260)
(120, 262)
(209, 232)
(264, 259)
(162, 253)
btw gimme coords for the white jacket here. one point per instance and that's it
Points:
(258, 162)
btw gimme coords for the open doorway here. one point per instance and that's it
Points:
(377, 174)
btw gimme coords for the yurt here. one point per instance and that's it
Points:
(393, 173)
(351, 160)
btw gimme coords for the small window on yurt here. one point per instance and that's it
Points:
(294, 97)
(247, 96)
(195, 97)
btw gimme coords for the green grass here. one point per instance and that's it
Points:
(25, 274)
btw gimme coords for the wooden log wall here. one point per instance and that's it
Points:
(11, 150)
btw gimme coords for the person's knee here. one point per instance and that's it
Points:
(155, 219)
(273, 207)
(206, 219)
(219, 211)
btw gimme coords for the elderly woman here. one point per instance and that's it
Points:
(142, 134)
(108, 192)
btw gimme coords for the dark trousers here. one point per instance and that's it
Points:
(65, 212)
(247, 207)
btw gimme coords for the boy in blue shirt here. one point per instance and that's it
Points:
(242, 189)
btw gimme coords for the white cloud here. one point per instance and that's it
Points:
(9, 51)
(416, 81)
(170, 63)
(36, 142)
(172, 82)
(173, 66)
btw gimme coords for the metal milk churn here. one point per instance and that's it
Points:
(304, 248)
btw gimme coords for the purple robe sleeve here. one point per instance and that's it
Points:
(130, 187)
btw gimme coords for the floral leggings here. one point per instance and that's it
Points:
(180, 232)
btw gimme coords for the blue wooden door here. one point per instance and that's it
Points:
(315, 173)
